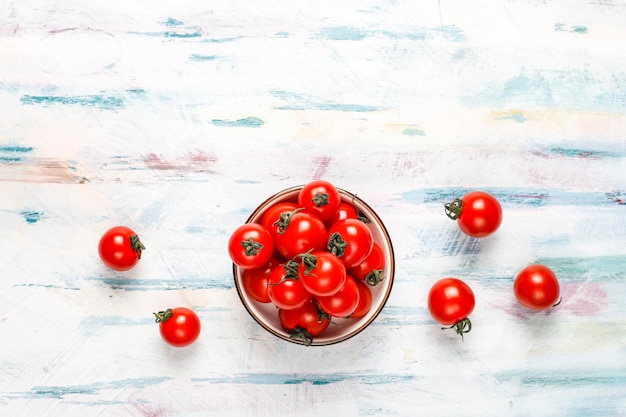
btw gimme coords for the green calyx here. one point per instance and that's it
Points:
(461, 327)
(136, 245)
(285, 219)
(251, 247)
(320, 199)
(336, 245)
(454, 208)
(163, 316)
(374, 277)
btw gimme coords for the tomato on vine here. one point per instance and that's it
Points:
(304, 323)
(450, 302)
(320, 198)
(120, 248)
(179, 326)
(537, 287)
(478, 213)
(251, 246)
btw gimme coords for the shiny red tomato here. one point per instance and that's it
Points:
(320, 198)
(345, 211)
(537, 287)
(300, 232)
(365, 300)
(251, 246)
(344, 302)
(304, 323)
(351, 240)
(450, 302)
(178, 326)
(254, 281)
(479, 214)
(321, 273)
(120, 248)
(272, 214)
(371, 269)
(285, 290)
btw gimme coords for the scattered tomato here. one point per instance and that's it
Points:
(120, 248)
(478, 213)
(537, 287)
(178, 326)
(450, 302)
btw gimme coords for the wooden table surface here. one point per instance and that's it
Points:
(177, 118)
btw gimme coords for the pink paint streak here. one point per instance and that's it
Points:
(321, 164)
(198, 161)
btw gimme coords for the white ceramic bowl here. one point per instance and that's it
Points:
(266, 314)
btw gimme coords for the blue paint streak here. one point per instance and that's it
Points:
(283, 34)
(413, 132)
(348, 33)
(134, 284)
(97, 101)
(304, 102)
(15, 149)
(172, 22)
(245, 122)
(344, 33)
(31, 216)
(372, 378)
(582, 153)
(60, 392)
(562, 27)
(196, 34)
(202, 58)
(516, 117)
(13, 153)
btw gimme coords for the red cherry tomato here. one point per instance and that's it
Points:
(321, 273)
(285, 290)
(371, 269)
(537, 287)
(344, 302)
(479, 214)
(304, 323)
(178, 326)
(251, 246)
(300, 232)
(320, 198)
(351, 240)
(254, 281)
(345, 211)
(120, 248)
(450, 302)
(365, 300)
(272, 214)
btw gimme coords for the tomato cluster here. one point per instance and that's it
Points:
(314, 258)
(451, 301)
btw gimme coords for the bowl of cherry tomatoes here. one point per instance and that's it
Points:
(313, 264)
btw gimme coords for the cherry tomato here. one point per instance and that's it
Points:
(450, 302)
(321, 273)
(251, 246)
(371, 269)
(537, 287)
(351, 240)
(479, 214)
(120, 248)
(304, 323)
(320, 198)
(344, 302)
(254, 281)
(345, 211)
(272, 214)
(300, 232)
(178, 326)
(285, 290)
(365, 300)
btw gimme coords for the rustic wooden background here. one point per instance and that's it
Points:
(177, 118)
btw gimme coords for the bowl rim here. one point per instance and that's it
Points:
(389, 276)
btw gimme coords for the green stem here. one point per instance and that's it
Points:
(136, 245)
(285, 219)
(251, 247)
(163, 316)
(336, 245)
(454, 208)
(374, 277)
(461, 327)
(320, 199)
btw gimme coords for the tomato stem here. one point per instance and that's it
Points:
(251, 247)
(320, 199)
(301, 335)
(454, 208)
(136, 245)
(336, 245)
(461, 327)
(374, 277)
(163, 316)
(284, 219)
(309, 261)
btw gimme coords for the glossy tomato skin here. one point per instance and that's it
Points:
(344, 302)
(365, 300)
(307, 317)
(179, 326)
(370, 270)
(345, 211)
(285, 291)
(254, 281)
(272, 214)
(326, 277)
(357, 238)
(120, 248)
(537, 287)
(303, 233)
(251, 246)
(481, 214)
(450, 300)
(320, 198)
